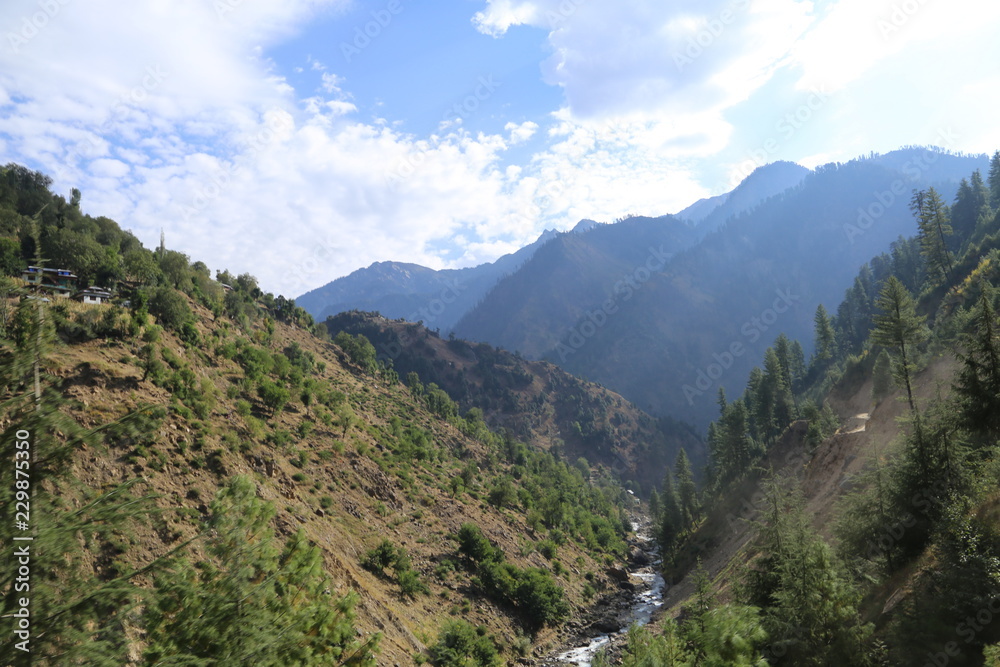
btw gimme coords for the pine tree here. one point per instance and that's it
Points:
(255, 601)
(881, 377)
(78, 617)
(899, 328)
(993, 180)
(933, 229)
(978, 382)
(970, 202)
(670, 516)
(798, 364)
(826, 340)
(810, 605)
(654, 506)
(687, 492)
(780, 392)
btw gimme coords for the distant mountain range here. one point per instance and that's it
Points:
(665, 310)
(414, 292)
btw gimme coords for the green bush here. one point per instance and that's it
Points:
(273, 395)
(476, 546)
(548, 548)
(410, 583)
(462, 645)
(170, 307)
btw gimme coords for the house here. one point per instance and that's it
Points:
(58, 282)
(93, 295)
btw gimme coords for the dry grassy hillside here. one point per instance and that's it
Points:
(326, 468)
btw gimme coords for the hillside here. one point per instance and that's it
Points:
(195, 448)
(864, 532)
(670, 348)
(534, 401)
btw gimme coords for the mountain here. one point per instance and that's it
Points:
(397, 289)
(764, 182)
(440, 298)
(594, 270)
(701, 209)
(667, 336)
(534, 401)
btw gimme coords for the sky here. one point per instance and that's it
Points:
(302, 140)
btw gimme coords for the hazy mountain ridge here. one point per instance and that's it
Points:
(656, 342)
(533, 309)
(761, 274)
(415, 292)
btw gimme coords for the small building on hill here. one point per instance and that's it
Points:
(94, 295)
(58, 282)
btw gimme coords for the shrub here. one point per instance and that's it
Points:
(462, 645)
(410, 583)
(378, 559)
(273, 395)
(169, 307)
(548, 548)
(476, 546)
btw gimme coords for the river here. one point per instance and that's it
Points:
(646, 600)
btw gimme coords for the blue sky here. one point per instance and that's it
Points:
(280, 139)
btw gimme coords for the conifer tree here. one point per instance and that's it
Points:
(972, 204)
(881, 377)
(254, 600)
(826, 340)
(776, 377)
(899, 328)
(934, 228)
(978, 382)
(78, 616)
(993, 180)
(670, 515)
(810, 606)
(687, 493)
(654, 506)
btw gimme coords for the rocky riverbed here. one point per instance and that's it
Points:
(605, 625)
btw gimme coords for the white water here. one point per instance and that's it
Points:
(641, 613)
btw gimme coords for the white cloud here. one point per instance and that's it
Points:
(209, 143)
(521, 133)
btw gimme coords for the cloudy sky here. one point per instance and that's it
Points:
(304, 139)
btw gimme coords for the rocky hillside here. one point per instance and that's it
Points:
(535, 401)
